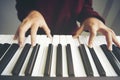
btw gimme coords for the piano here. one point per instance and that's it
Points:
(59, 58)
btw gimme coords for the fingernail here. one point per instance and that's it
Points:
(76, 36)
(20, 44)
(110, 48)
(33, 44)
(90, 46)
(50, 36)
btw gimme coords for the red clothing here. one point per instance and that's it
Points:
(60, 15)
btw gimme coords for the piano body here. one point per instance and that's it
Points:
(59, 58)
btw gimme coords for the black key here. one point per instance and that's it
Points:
(32, 59)
(0, 48)
(48, 60)
(112, 59)
(116, 52)
(59, 61)
(3, 49)
(69, 60)
(0, 45)
(9, 54)
(100, 69)
(86, 62)
(21, 60)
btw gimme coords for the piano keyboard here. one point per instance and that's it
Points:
(60, 57)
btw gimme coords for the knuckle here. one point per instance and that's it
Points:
(111, 31)
(108, 32)
(25, 20)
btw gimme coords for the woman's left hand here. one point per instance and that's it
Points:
(94, 26)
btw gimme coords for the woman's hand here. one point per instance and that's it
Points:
(94, 25)
(34, 20)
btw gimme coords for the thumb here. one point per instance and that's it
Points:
(78, 31)
(47, 31)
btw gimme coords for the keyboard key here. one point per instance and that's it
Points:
(8, 69)
(0, 45)
(21, 60)
(22, 71)
(32, 59)
(64, 59)
(113, 60)
(55, 43)
(40, 62)
(102, 57)
(3, 49)
(59, 60)
(69, 60)
(48, 60)
(116, 52)
(85, 60)
(93, 66)
(9, 54)
(76, 58)
(97, 62)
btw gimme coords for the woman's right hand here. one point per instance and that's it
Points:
(34, 20)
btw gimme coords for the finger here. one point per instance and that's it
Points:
(22, 30)
(93, 34)
(34, 29)
(109, 40)
(78, 32)
(16, 35)
(115, 40)
(47, 31)
(21, 37)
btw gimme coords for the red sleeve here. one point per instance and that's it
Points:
(87, 11)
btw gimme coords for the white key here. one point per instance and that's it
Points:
(77, 64)
(118, 37)
(7, 39)
(64, 60)
(81, 71)
(102, 57)
(84, 40)
(22, 71)
(37, 63)
(9, 67)
(95, 72)
(41, 54)
(40, 71)
(53, 66)
(43, 41)
(11, 64)
(104, 61)
(38, 59)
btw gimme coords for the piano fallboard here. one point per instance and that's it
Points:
(56, 78)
